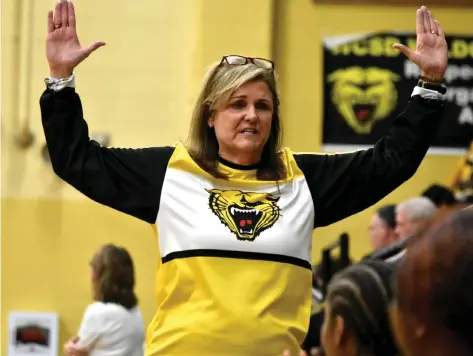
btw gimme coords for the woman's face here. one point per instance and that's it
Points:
(243, 125)
(378, 232)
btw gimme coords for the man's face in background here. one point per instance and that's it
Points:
(405, 226)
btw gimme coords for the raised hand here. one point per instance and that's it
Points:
(431, 54)
(63, 49)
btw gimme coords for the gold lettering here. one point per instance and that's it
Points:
(335, 50)
(346, 49)
(390, 51)
(360, 49)
(383, 47)
(459, 50)
(341, 50)
(376, 47)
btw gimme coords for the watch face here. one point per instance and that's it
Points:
(50, 82)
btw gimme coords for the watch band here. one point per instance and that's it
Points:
(56, 81)
(53, 81)
(432, 86)
(57, 84)
(432, 80)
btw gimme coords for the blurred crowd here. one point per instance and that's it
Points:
(411, 294)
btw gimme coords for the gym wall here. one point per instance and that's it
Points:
(140, 88)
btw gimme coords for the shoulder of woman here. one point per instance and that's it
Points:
(137, 312)
(101, 312)
(95, 308)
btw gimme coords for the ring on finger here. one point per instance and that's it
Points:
(433, 32)
(56, 26)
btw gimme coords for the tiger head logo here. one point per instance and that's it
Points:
(363, 95)
(246, 214)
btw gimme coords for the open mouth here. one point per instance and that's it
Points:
(245, 219)
(364, 112)
(249, 132)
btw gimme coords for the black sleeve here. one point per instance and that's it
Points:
(345, 184)
(128, 180)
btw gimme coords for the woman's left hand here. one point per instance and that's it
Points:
(431, 54)
(70, 349)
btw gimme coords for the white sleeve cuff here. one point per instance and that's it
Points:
(60, 84)
(427, 93)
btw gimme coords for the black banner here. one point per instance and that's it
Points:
(367, 83)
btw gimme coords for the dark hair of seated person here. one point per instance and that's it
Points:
(439, 195)
(360, 295)
(433, 308)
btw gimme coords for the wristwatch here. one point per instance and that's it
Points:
(432, 86)
(50, 82)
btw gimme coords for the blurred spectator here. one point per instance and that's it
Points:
(113, 324)
(356, 312)
(413, 215)
(382, 227)
(312, 340)
(433, 309)
(440, 195)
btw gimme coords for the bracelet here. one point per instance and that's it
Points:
(432, 80)
(50, 82)
(432, 86)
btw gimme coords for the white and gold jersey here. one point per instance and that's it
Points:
(235, 271)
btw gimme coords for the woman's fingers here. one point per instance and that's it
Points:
(57, 14)
(50, 22)
(64, 13)
(419, 22)
(72, 15)
(425, 17)
(440, 33)
(433, 24)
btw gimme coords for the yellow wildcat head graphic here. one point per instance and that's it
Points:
(245, 214)
(363, 95)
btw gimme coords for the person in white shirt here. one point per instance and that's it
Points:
(113, 324)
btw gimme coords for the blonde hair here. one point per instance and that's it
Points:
(219, 84)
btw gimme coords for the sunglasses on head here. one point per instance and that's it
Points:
(235, 60)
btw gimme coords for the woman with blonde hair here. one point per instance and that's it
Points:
(234, 211)
(113, 324)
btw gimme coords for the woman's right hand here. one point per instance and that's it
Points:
(63, 49)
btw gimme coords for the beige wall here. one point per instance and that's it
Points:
(140, 88)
